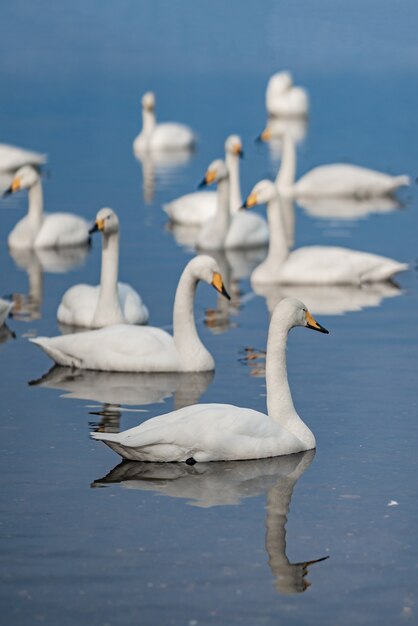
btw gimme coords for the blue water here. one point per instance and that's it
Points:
(80, 546)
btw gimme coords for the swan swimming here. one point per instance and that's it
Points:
(224, 432)
(226, 231)
(39, 229)
(283, 99)
(125, 348)
(160, 137)
(111, 302)
(312, 265)
(12, 158)
(194, 209)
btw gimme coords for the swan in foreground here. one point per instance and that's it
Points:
(41, 230)
(226, 231)
(160, 137)
(283, 99)
(125, 348)
(313, 265)
(224, 432)
(197, 208)
(12, 158)
(110, 302)
(335, 180)
(5, 307)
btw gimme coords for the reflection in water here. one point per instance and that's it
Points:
(227, 483)
(348, 208)
(118, 389)
(35, 262)
(161, 167)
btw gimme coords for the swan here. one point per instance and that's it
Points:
(197, 208)
(5, 307)
(124, 348)
(110, 302)
(160, 137)
(224, 231)
(12, 158)
(313, 265)
(40, 230)
(283, 99)
(335, 180)
(224, 432)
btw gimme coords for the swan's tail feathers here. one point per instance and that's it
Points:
(401, 181)
(112, 437)
(384, 271)
(61, 358)
(113, 441)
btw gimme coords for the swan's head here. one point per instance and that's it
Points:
(205, 268)
(24, 178)
(294, 313)
(216, 172)
(279, 83)
(233, 145)
(262, 193)
(106, 222)
(148, 101)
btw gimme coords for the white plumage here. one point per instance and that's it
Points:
(12, 158)
(283, 99)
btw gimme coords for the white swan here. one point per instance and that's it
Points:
(197, 208)
(5, 307)
(313, 265)
(160, 137)
(12, 158)
(335, 180)
(40, 230)
(125, 348)
(224, 432)
(283, 99)
(110, 302)
(226, 231)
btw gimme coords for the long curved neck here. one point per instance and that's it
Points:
(36, 205)
(222, 216)
(148, 121)
(235, 198)
(278, 246)
(108, 302)
(279, 399)
(285, 179)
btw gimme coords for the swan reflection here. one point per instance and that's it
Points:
(228, 483)
(296, 127)
(348, 208)
(161, 167)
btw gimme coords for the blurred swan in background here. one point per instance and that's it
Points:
(198, 207)
(12, 158)
(160, 137)
(229, 483)
(224, 432)
(39, 229)
(161, 169)
(315, 265)
(277, 127)
(110, 302)
(226, 231)
(283, 99)
(127, 348)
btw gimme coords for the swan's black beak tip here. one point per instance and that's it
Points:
(202, 184)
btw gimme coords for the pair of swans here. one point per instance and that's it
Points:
(40, 230)
(111, 302)
(283, 99)
(124, 348)
(312, 265)
(160, 137)
(222, 432)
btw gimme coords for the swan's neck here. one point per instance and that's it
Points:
(148, 121)
(36, 205)
(235, 198)
(279, 399)
(285, 179)
(187, 341)
(278, 502)
(108, 303)
(222, 216)
(278, 247)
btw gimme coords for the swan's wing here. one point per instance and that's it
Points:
(133, 309)
(62, 229)
(172, 136)
(78, 305)
(120, 348)
(22, 235)
(193, 208)
(12, 157)
(247, 230)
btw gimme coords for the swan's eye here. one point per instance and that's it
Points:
(305, 310)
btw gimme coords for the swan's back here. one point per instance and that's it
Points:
(171, 136)
(193, 209)
(247, 230)
(12, 157)
(62, 229)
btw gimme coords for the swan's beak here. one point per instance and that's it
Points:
(264, 136)
(250, 201)
(238, 151)
(97, 226)
(311, 323)
(209, 178)
(217, 282)
(15, 186)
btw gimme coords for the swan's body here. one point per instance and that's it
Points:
(5, 307)
(225, 231)
(41, 230)
(335, 180)
(110, 302)
(160, 137)
(12, 158)
(197, 208)
(223, 432)
(124, 348)
(283, 99)
(313, 265)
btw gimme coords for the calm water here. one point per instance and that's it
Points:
(89, 542)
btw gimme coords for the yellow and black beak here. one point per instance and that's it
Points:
(239, 151)
(97, 226)
(15, 186)
(208, 179)
(250, 201)
(311, 323)
(217, 282)
(264, 136)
